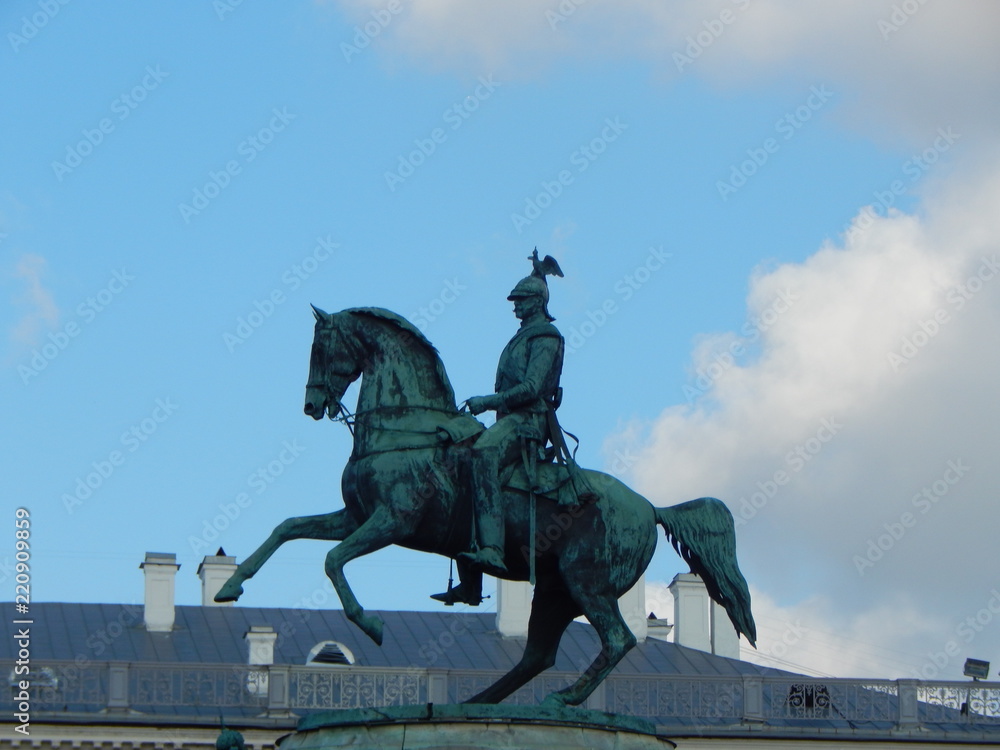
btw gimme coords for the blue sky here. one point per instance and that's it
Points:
(174, 178)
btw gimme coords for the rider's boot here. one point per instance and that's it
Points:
(489, 515)
(468, 591)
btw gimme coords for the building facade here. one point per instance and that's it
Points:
(165, 676)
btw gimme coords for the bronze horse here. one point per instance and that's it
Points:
(403, 485)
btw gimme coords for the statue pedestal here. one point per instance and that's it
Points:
(468, 726)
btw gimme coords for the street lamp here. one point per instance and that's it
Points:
(977, 669)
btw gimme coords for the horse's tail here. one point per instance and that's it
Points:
(703, 533)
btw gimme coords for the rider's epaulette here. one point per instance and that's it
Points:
(542, 329)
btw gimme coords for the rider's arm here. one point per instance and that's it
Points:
(544, 361)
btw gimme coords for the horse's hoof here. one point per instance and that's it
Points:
(230, 592)
(554, 700)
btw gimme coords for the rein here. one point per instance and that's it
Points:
(376, 427)
(451, 412)
(344, 417)
(343, 414)
(349, 420)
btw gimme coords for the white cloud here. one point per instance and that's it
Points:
(916, 71)
(935, 66)
(38, 310)
(810, 637)
(472, 38)
(890, 341)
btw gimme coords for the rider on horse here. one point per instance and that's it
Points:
(401, 486)
(527, 388)
(526, 385)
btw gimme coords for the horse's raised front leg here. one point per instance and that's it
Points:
(380, 530)
(328, 527)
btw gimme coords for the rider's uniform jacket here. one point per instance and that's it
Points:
(529, 368)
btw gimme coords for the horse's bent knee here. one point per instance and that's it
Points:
(332, 565)
(618, 647)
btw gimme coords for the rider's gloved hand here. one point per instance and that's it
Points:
(479, 404)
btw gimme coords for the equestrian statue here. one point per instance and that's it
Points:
(427, 475)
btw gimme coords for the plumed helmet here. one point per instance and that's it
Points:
(530, 286)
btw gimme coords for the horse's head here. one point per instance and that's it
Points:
(333, 366)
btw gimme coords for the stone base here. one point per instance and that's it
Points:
(472, 727)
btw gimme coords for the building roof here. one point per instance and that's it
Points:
(199, 669)
(441, 640)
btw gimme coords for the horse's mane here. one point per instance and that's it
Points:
(406, 327)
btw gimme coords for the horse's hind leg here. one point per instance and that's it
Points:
(616, 641)
(380, 530)
(552, 610)
(328, 526)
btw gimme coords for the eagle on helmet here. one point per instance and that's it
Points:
(535, 284)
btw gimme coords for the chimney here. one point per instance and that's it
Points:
(658, 629)
(260, 652)
(725, 639)
(214, 571)
(159, 569)
(260, 644)
(691, 626)
(699, 622)
(513, 608)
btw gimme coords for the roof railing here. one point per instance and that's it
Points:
(284, 691)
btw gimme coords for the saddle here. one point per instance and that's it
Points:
(552, 481)
(460, 428)
(556, 477)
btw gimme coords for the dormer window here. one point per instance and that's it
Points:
(330, 653)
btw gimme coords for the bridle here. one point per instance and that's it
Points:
(324, 373)
(343, 414)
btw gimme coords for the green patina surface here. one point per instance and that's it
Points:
(425, 475)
